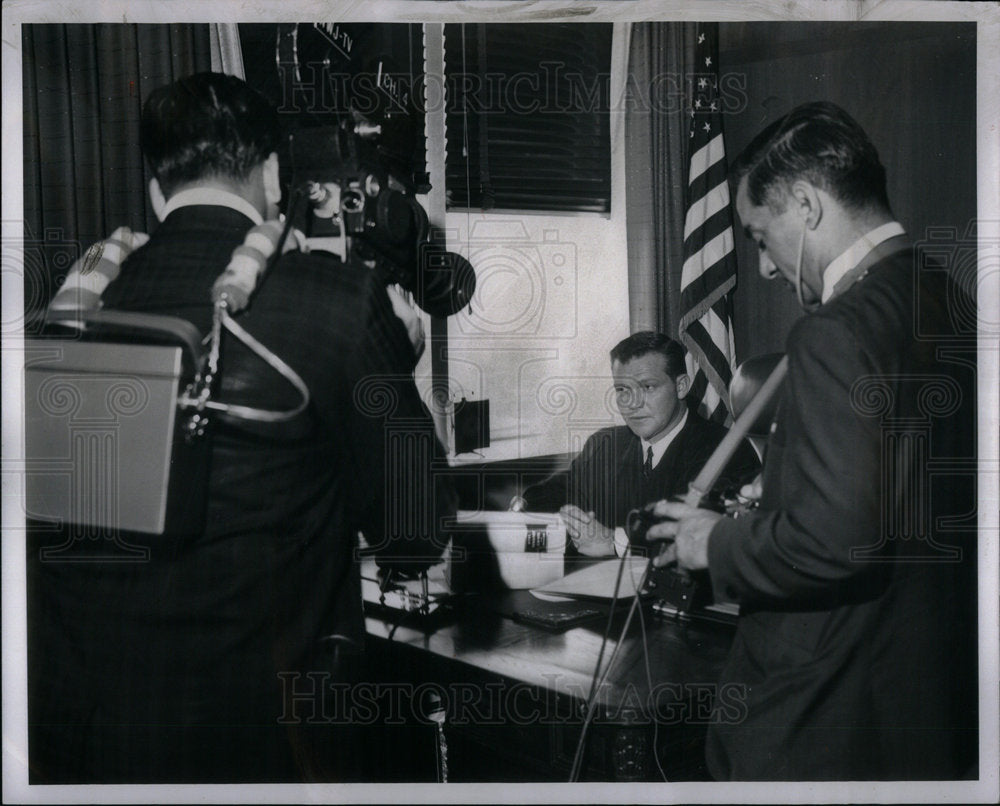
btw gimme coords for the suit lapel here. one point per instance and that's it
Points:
(628, 451)
(675, 460)
(627, 482)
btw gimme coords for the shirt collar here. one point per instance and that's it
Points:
(660, 446)
(855, 253)
(215, 197)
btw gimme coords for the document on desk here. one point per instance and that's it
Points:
(598, 581)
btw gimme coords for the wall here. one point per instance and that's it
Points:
(911, 86)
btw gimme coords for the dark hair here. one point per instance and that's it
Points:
(645, 342)
(818, 142)
(204, 125)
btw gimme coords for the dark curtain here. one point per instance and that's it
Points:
(83, 170)
(661, 54)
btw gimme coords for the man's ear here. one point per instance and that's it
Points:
(683, 385)
(272, 180)
(806, 199)
(157, 198)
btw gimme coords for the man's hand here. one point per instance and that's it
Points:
(689, 527)
(410, 318)
(751, 493)
(591, 537)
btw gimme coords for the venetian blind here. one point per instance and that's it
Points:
(527, 116)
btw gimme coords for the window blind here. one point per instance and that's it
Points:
(527, 116)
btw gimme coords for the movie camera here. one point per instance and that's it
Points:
(351, 169)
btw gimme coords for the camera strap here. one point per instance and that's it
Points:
(231, 293)
(198, 395)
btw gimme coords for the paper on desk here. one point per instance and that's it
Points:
(538, 593)
(598, 581)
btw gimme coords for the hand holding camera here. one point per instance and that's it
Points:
(681, 529)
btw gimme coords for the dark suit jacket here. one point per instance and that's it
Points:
(606, 477)
(854, 655)
(180, 668)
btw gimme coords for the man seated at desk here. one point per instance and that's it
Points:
(655, 455)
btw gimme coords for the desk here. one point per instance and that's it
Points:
(514, 695)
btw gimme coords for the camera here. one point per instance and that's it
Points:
(677, 591)
(339, 185)
(637, 523)
(724, 501)
(353, 153)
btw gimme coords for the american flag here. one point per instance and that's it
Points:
(709, 273)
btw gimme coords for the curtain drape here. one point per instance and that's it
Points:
(227, 55)
(661, 55)
(83, 169)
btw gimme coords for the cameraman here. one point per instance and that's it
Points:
(192, 666)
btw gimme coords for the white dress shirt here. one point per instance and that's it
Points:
(855, 253)
(216, 197)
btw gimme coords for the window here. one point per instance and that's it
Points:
(527, 116)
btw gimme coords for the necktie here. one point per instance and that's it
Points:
(647, 468)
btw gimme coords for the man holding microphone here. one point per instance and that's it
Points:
(856, 576)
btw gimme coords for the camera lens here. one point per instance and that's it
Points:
(352, 201)
(394, 217)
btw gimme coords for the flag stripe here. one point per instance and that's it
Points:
(713, 242)
(720, 414)
(702, 396)
(714, 177)
(716, 200)
(715, 283)
(699, 387)
(712, 393)
(704, 335)
(712, 228)
(706, 156)
(713, 253)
